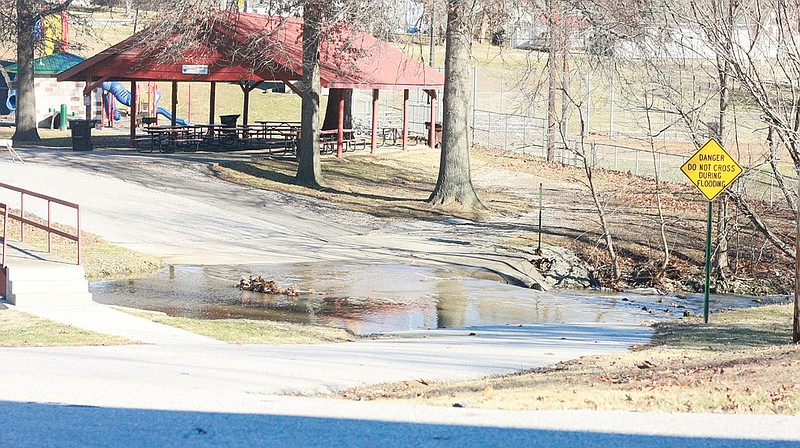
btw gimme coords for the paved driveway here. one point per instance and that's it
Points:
(184, 390)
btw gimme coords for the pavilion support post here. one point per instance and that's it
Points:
(340, 129)
(246, 89)
(246, 107)
(87, 100)
(375, 96)
(432, 130)
(174, 103)
(405, 119)
(134, 112)
(212, 100)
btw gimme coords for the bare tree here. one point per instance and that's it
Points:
(587, 165)
(652, 134)
(309, 170)
(17, 23)
(454, 185)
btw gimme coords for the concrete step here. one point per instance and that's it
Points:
(50, 299)
(45, 271)
(45, 286)
(42, 283)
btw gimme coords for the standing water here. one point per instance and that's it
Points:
(369, 298)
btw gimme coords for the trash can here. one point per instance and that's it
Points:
(82, 134)
(229, 120)
(437, 131)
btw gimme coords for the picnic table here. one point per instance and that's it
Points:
(329, 140)
(168, 139)
(283, 135)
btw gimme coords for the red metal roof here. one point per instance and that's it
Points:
(348, 58)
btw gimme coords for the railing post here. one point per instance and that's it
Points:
(78, 225)
(49, 226)
(22, 214)
(5, 236)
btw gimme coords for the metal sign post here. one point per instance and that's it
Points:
(711, 169)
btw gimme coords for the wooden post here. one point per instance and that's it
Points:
(189, 104)
(432, 130)
(134, 111)
(174, 103)
(246, 106)
(405, 119)
(87, 99)
(211, 101)
(340, 129)
(375, 94)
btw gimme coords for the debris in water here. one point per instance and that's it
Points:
(260, 284)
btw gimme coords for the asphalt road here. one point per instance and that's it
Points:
(182, 390)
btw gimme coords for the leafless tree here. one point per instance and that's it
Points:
(17, 23)
(583, 152)
(454, 184)
(652, 134)
(309, 170)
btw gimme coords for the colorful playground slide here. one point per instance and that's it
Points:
(123, 95)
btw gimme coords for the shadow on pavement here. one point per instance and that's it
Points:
(54, 425)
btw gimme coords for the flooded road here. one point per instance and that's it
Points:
(369, 298)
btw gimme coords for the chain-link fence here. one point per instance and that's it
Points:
(510, 112)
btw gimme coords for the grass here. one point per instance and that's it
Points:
(18, 329)
(247, 331)
(101, 260)
(742, 362)
(390, 184)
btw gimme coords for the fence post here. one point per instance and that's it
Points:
(474, 98)
(637, 163)
(505, 142)
(611, 117)
(586, 123)
(489, 129)
(525, 133)
(502, 91)
(544, 141)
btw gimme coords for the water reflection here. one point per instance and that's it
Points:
(370, 298)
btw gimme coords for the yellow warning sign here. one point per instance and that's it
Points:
(711, 169)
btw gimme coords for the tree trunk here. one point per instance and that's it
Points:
(454, 184)
(552, 71)
(662, 222)
(309, 170)
(26, 98)
(332, 110)
(721, 260)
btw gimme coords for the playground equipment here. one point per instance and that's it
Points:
(11, 101)
(145, 106)
(53, 30)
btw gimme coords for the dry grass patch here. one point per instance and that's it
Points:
(247, 331)
(18, 329)
(100, 259)
(391, 184)
(741, 363)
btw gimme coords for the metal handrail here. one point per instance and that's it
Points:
(3, 238)
(7, 215)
